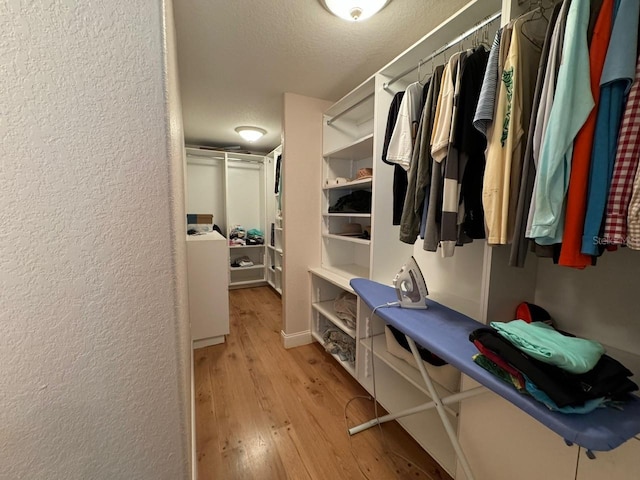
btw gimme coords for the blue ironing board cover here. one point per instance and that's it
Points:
(445, 332)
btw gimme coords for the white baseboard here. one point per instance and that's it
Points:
(296, 339)
(207, 342)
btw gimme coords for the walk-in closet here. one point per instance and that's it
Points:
(467, 152)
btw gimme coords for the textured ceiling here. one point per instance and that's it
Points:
(237, 58)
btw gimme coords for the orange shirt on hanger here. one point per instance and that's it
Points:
(576, 205)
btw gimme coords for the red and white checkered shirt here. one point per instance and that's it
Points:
(624, 172)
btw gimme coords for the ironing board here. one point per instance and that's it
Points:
(445, 332)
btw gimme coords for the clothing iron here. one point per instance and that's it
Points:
(410, 286)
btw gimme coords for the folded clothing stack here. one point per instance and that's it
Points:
(566, 373)
(255, 237)
(237, 235)
(242, 262)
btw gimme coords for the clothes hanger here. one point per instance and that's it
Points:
(535, 14)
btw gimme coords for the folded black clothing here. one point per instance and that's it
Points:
(425, 354)
(354, 202)
(609, 378)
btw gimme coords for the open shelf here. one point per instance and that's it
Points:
(345, 273)
(347, 215)
(328, 311)
(346, 238)
(249, 267)
(365, 182)
(247, 246)
(356, 150)
(346, 365)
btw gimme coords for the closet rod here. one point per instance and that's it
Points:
(193, 155)
(333, 119)
(258, 162)
(444, 48)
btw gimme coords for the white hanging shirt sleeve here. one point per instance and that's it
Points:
(402, 139)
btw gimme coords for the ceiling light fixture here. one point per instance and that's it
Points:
(354, 10)
(250, 134)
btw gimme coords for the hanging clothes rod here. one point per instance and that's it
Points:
(444, 48)
(335, 117)
(207, 157)
(243, 160)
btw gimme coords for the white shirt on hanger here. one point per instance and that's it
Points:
(402, 138)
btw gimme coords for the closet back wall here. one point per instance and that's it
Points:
(600, 302)
(205, 194)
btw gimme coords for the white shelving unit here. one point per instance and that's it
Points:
(597, 303)
(231, 186)
(274, 237)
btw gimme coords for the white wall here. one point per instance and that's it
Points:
(301, 175)
(94, 342)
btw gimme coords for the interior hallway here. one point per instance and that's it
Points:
(263, 412)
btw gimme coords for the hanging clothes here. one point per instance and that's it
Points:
(546, 100)
(633, 219)
(454, 167)
(471, 144)
(617, 76)
(439, 148)
(570, 254)
(483, 117)
(519, 244)
(505, 147)
(572, 103)
(419, 177)
(404, 133)
(626, 165)
(400, 148)
(399, 177)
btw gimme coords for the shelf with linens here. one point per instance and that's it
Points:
(333, 319)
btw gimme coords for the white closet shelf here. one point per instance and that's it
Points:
(247, 246)
(327, 309)
(347, 215)
(406, 371)
(277, 229)
(355, 96)
(346, 272)
(332, 277)
(356, 150)
(346, 365)
(345, 238)
(249, 267)
(365, 182)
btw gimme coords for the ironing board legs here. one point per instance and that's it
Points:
(437, 402)
(420, 408)
(453, 437)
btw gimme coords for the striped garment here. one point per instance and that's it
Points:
(624, 170)
(486, 103)
(452, 209)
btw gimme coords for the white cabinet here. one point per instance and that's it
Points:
(207, 260)
(623, 463)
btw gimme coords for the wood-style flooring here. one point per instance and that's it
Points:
(267, 413)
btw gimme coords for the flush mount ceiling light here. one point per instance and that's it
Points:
(250, 134)
(354, 10)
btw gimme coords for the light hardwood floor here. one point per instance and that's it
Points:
(266, 413)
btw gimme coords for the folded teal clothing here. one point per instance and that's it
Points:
(544, 343)
(588, 406)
